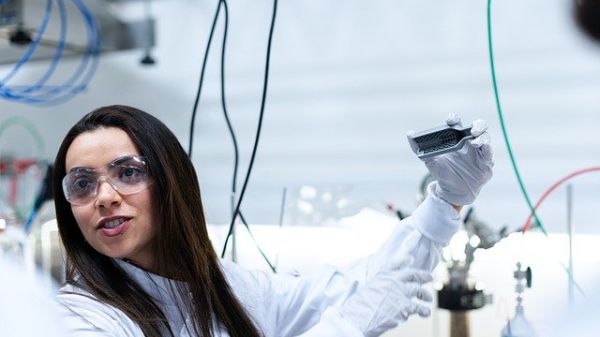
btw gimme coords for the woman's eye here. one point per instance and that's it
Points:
(82, 185)
(129, 171)
(131, 174)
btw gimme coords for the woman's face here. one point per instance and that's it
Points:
(116, 225)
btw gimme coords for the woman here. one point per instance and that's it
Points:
(140, 261)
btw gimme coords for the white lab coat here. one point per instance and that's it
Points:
(281, 305)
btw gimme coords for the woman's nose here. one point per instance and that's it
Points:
(107, 194)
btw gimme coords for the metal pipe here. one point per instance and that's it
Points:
(571, 288)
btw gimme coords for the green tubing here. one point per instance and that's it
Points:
(28, 126)
(504, 133)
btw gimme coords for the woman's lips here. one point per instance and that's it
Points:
(118, 230)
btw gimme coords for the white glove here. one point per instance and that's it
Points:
(387, 300)
(461, 174)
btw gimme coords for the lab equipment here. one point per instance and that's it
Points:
(440, 140)
(14, 245)
(461, 295)
(462, 174)
(20, 179)
(324, 205)
(501, 118)
(41, 92)
(481, 236)
(10, 12)
(519, 326)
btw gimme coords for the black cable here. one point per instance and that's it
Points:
(273, 269)
(224, 106)
(223, 101)
(258, 129)
(210, 36)
(232, 132)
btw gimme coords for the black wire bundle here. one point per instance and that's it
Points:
(223, 5)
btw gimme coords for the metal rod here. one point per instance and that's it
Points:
(570, 232)
(282, 208)
(281, 217)
(233, 232)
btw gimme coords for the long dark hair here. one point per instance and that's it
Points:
(587, 15)
(183, 249)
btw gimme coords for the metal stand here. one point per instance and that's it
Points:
(459, 324)
(571, 288)
(233, 230)
(460, 297)
(519, 326)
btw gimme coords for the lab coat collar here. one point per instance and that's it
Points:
(163, 290)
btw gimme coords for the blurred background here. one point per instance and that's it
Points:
(347, 80)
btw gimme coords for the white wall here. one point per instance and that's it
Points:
(348, 79)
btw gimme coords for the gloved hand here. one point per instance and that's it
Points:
(387, 300)
(461, 174)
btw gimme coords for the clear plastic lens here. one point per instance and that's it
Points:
(126, 175)
(83, 185)
(129, 175)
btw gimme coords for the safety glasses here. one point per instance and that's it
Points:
(127, 175)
